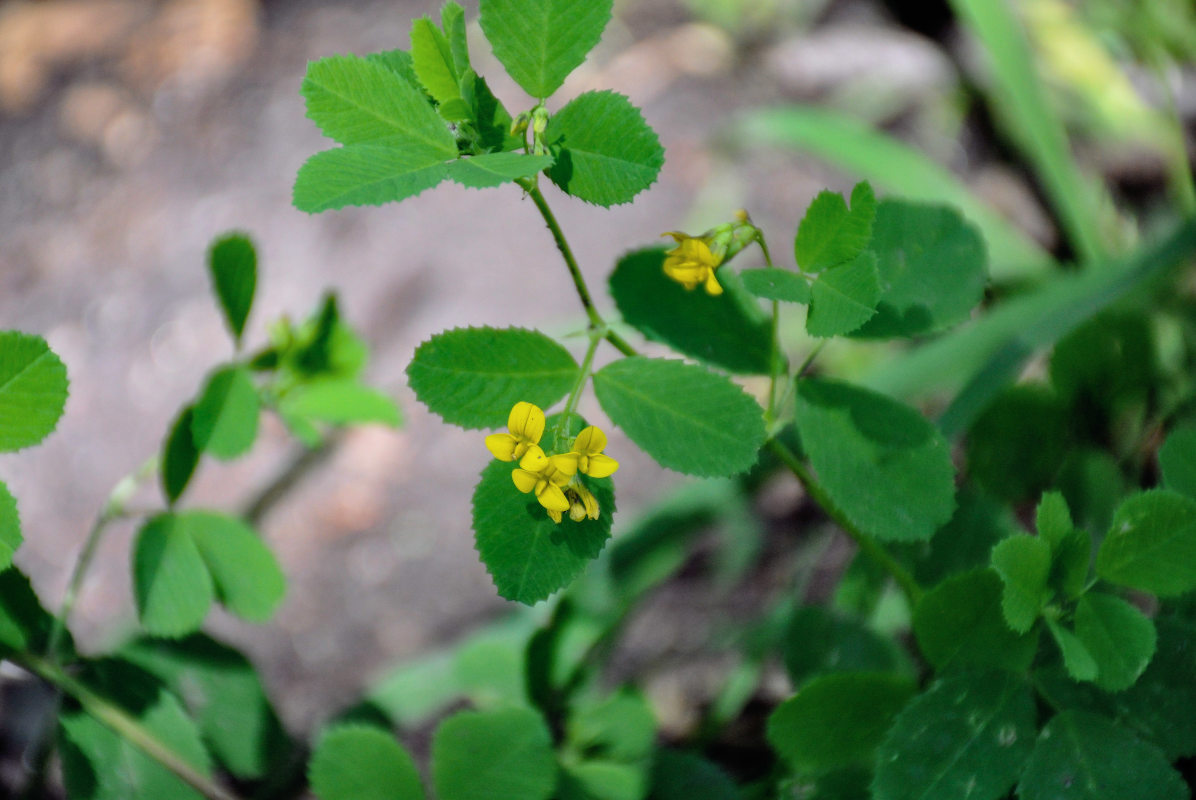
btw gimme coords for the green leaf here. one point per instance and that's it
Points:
(727, 330)
(621, 728)
(99, 764)
(180, 456)
(1120, 638)
(232, 262)
(1084, 756)
(366, 175)
(857, 148)
(398, 62)
(1073, 556)
(338, 401)
(830, 234)
(1053, 519)
(224, 420)
(528, 555)
(224, 695)
(1160, 703)
(356, 100)
(1076, 659)
(33, 390)
(494, 169)
(959, 623)
(678, 775)
(433, 61)
(964, 543)
(357, 762)
(1177, 460)
(1016, 447)
(881, 462)
(1151, 545)
(776, 284)
(24, 624)
(493, 755)
(10, 527)
(602, 780)
(966, 736)
(844, 297)
(1107, 362)
(1024, 564)
(490, 119)
(687, 418)
(171, 583)
(932, 269)
(472, 377)
(247, 578)
(539, 42)
(605, 152)
(817, 641)
(837, 721)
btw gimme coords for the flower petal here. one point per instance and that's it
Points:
(534, 459)
(526, 421)
(589, 501)
(555, 516)
(552, 498)
(502, 446)
(564, 466)
(591, 440)
(712, 284)
(524, 481)
(601, 466)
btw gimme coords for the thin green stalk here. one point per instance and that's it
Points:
(774, 356)
(583, 375)
(866, 544)
(124, 725)
(114, 508)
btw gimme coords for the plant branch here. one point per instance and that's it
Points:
(866, 544)
(125, 725)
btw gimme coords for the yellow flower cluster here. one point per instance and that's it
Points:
(693, 262)
(552, 479)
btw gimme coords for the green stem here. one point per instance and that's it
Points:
(579, 282)
(124, 725)
(774, 368)
(114, 508)
(866, 544)
(583, 375)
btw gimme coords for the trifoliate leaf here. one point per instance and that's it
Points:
(232, 262)
(358, 101)
(837, 720)
(1078, 662)
(1084, 756)
(776, 284)
(247, 578)
(224, 420)
(830, 234)
(959, 623)
(180, 456)
(494, 169)
(367, 175)
(356, 762)
(527, 554)
(1177, 460)
(605, 152)
(1053, 518)
(1151, 545)
(880, 461)
(844, 297)
(340, 402)
(726, 330)
(1024, 564)
(932, 269)
(1071, 560)
(539, 42)
(171, 583)
(1120, 638)
(10, 527)
(966, 736)
(493, 755)
(472, 377)
(687, 418)
(33, 389)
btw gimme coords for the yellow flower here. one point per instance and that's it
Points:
(583, 504)
(526, 426)
(588, 447)
(545, 476)
(692, 262)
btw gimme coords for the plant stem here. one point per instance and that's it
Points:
(866, 544)
(583, 375)
(114, 508)
(125, 725)
(579, 282)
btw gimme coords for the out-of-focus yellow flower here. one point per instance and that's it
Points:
(545, 476)
(692, 262)
(526, 426)
(588, 447)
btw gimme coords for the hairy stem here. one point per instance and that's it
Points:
(124, 725)
(866, 544)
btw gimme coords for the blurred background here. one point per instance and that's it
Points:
(134, 131)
